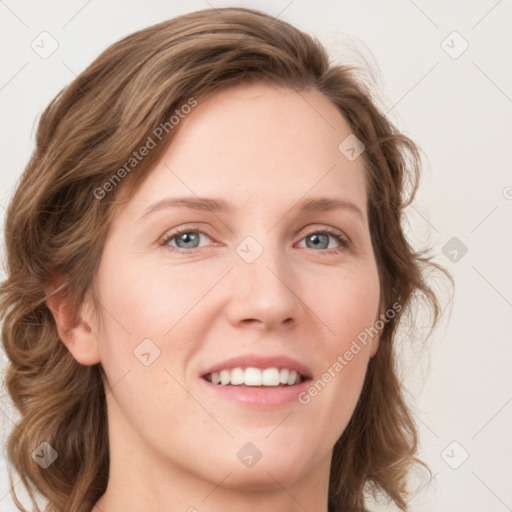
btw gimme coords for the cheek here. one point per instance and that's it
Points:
(348, 306)
(155, 303)
(351, 303)
(148, 300)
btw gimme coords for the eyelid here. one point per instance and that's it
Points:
(330, 230)
(335, 233)
(173, 233)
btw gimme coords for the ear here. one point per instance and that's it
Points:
(74, 330)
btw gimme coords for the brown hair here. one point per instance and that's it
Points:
(57, 223)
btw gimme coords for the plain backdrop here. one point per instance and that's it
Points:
(445, 80)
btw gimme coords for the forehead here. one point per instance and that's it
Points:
(257, 144)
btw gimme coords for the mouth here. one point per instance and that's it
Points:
(257, 381)
(252, 377)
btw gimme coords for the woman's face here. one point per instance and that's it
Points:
(257, 284)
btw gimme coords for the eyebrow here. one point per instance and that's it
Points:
(218, 205)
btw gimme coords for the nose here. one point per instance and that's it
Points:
(265, 292)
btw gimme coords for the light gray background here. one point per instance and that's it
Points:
(456, 107)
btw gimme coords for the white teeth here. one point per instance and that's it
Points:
(225, 377)
(255, 377)
(237, 376)
(252, 377)
(270, 377)
(292, 378)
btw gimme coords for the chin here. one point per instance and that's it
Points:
(263, 477)
(266, 474)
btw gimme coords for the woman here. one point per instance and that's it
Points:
(205, 274)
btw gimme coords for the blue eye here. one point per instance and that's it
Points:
(317, 237)
(187, 240)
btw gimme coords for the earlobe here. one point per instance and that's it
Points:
(75, 331)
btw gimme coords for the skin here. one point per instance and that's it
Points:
(173, 445)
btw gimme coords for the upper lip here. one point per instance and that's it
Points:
(261, 362)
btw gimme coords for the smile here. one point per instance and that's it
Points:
(256, 377)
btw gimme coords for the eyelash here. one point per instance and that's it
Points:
(340, 238)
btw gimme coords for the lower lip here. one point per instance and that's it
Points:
(258, 396)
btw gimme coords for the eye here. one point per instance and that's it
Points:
(187, 240)
(319, 237)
